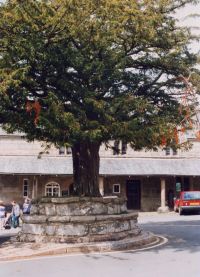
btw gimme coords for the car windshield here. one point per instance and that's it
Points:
(191, 195)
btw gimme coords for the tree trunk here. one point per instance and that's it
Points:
(85, 156)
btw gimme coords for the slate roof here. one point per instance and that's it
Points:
(33, 165)
(108, 166)
(150, 166)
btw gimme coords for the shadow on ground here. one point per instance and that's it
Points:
(8, 236)
(182, 236)
(3, 240)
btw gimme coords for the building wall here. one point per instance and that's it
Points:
(110, 181)
(196, 183)
(151, 192)
(150, 189)
(11, 186)
(150, 197)
(16, 145)
(64, 183)
(192, 152)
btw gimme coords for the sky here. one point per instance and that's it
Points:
(193, 22)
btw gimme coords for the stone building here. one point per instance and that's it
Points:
(149, 180)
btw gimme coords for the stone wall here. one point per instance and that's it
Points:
(10, 189)
(78, 220)
(11, 186)
(17, 145)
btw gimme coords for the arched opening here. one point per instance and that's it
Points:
(52, 189)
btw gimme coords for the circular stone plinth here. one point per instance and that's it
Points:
(15, 250)
(79, 229)
(144, 240)
(84, 221)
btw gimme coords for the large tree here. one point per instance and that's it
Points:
(84, 72)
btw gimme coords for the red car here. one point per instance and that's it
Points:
(187, 201)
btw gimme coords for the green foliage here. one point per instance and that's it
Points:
(100, 69)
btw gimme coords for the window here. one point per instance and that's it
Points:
(167, 151)
(175, 152)
(116, 188)
(25, 187)
(52, 189)
(62, 150)
(116, 147)
(193, 195)
(69, 150)
(65, 150)
(119, 147)
(124, 147)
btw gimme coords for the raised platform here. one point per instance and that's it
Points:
(84, 221)
(14, 250)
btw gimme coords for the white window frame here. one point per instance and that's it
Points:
(49, 189)
(119, 186)
(27, 185)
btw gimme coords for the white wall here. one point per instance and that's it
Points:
(15, 145)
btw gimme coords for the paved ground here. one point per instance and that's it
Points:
(180, 256)
(12, 250)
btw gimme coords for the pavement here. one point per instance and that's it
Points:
(11, 249)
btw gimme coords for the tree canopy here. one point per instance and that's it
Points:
(83, 72)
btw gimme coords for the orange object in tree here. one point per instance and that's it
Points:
(34, 106)
(163, 141)
(176, 136)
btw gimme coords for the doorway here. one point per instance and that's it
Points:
(133, 193)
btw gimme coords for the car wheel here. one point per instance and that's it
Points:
(180, 210)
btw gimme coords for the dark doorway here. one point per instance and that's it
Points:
(133, 193)
(186, 184)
